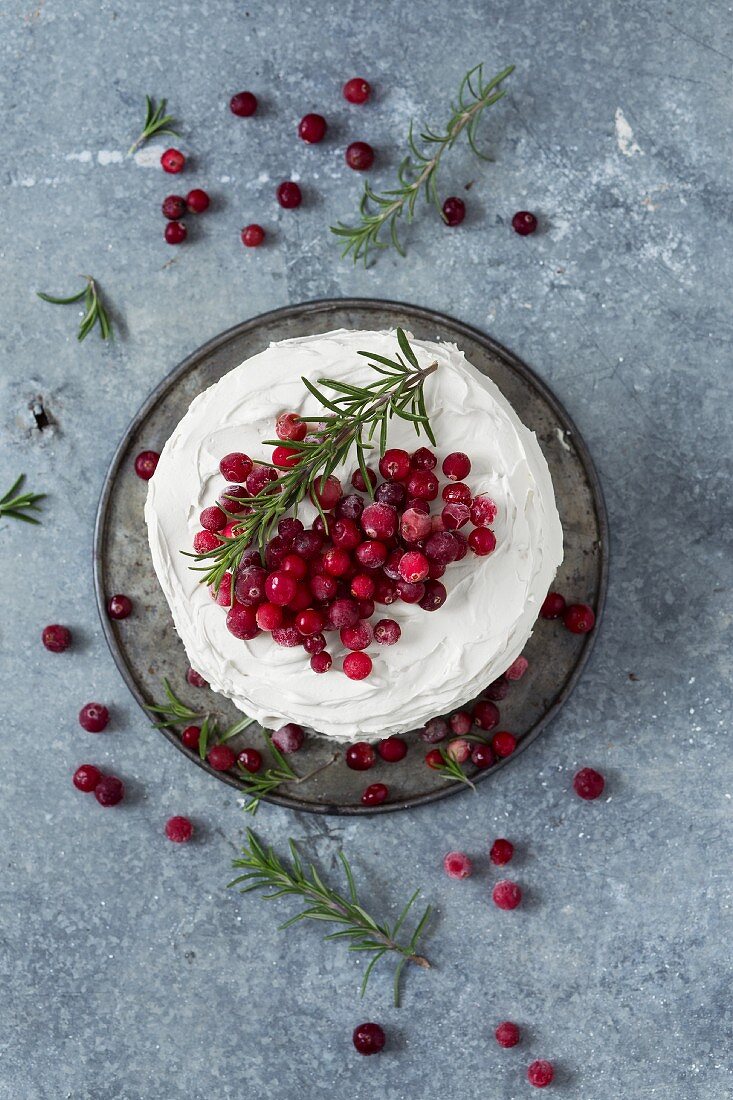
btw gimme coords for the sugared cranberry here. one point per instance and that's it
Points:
(178, 829)
(434, 759)
(371, 554)
(553, 606)
(221, 757)
(312, 128)
(357, 90)
(174, 207)
(517, 669)
(242, 622)
(461, 545)
(437, 729)
(287, 636)
(385, 590)
(57, 638)
(374, 795)
(360, 756)
(145, 464)
(327, 493)
(486, 715)
(416, 505)
(460, 722)
(250, 760)
(269, 616)
(506, 894)
(482, 541)
(540, 1073)
(392, 749)
(454, 211)
(289, 195)
(483, 511)
(503, 743)
(457, 865)
(289, 738)
(379, 521)
(190, 737)
(387, 632)
(119, 607)
(435, 596)
(243, 104)
(350, 506)
(194, 678)
(258, 480)
(362, 586)
(308, 545)
(86, 777)
(213, 519)
(579, 618)
(289, 426)
(507, 1034)
(454, 516)
(276, 552)
(290, 527)
(588, 784)
(175, 232)
(394, 465)
(252, 235)
(321, 662)
(204, 541)
(360, 156)
(410, 592)
(392, 564)
(323, 587)
(369, 1038)
(457, 493)
(501, 852)
(172, 161)
(250, 587)
(459, 750)
(236, 466)
(109, 791)
(343, 612)
(414, 566)
(482, 756)
(359, 482)
(366, 608)
(280, 587)
(423, 484)
(524, 223)
(414, 525)
(356, 637)
(498, 690)
(357, 666)
(230, 501)
(391, 492)
(441, 547)
(93, 717)
(197, 201)
(423, 459)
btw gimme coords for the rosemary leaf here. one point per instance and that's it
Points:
(17, 505)
(156, 122)
(95, 312)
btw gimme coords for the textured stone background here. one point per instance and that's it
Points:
(127, 970)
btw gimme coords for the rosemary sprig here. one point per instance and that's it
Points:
(174, 712)
(263, 869)
(381, 210)
(156, 122)
(16, 505)
(95, 313)
(451, 769)
(354, 416)
(260, 784)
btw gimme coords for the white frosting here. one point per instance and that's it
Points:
(443, 658)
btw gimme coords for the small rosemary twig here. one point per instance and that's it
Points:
(263, 869)
(451, 769)
(156, 122)
(16, 505)
(95, 313)
(261, 784)
(419, 170)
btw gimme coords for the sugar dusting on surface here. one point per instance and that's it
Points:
(625, 136)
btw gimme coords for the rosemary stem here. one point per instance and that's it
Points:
(315, 771)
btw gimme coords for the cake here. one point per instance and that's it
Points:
(443, 659)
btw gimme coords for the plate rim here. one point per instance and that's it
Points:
(320, 306)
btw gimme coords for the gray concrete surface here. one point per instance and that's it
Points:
(127, 970)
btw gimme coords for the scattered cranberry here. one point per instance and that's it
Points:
(172, 161)
(486, 715)
(289, 195)
(394, 465)
(358, 637)
(457, 865)
(242, 622)
(434, 759)
(287, 636)
(506, 894)
(194, 678)
(501, 852)
(253, 235)
(93, 717)
(387, 632)
(375, 795)
(119, 607)
(454, 211)
(178, 829)
(312, 128)
(414, 566)
(507, 1034)
(517, 669)
(109, 790)
(553, 607)
(86, 778)
(456, 493)
(289, 738)
(360, 756)
(221, 757)
(145, 464)
(371, 554)
(540, 1073)
(503, 743)
(314, 643)
(524, 223)
(243, 104)
(392, 749)
(456, 466)
(357, 90)
(437, 729)
(190, 737)
(174, 207)
(460, 722)
(482, 541)
(269, 616)
(197, 201)
(359, 482)
(588, 784)
(482, 756)
(175, 233)
(57, 638)
(459, 750)
(498, 690)
(360, 156)
(379, 521)
(579, 618)
(369, 1038)
(321, 662)
(357, 665)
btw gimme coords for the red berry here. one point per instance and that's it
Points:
(540, 1073)
(236, 466)
(250, 760)
(579, 618)
(351, 506)
(379, 521)
(392, 749)
(553, 606)
(457, 865)
(501, 852)
(93, 717)
(503, 743)
(323, 587)
(287, 636)
(289, 426)
(356, 637)
(309, 621)
(394, 465)
(459, 750)
(286, 457)
(436, 729)
(506, 894)
(414, 566)
(190, 737)
(175, 233)
(423, 459)
(454, 516)
(252, 235)
(343, 612)
(289, 195)
(357, 666)
(362, 586)
(312, 128)
(482, 756)
(194, 678)
(435, 596)
(486, 715)
(172, 161)
(250, 585)
(119, 607)
(178, 829)
(174, 207)
(498, 690)
(434, 759)
(269, 616)
(387, 632)
(294, 564)
(369, 1038)
(366, 608)
(409, 592)
(483, 511)
(460, 722)
(360, 482)
(454, 211)
(517, 669)
(280, 588)
(321, 662)
(314, 643)
(507, 1034)
(371, 554)
(423, 484)
(197, 201)
(456, 493)
(385, 590)
(336, 562)
(57, 638)
(86, 777)
(258, 480)
(221, 757)
(482, 541)
(145, 464)
(204, 541)
(588, 784)
(360, 156)
(243, 104)
(374, 795)
(524, 223)
(289, 738)
(456, 466)
(357, 90)
(327, 493)
(242, 622)
(109, 790)
(213, 519)
(360, 756)
(414, 525)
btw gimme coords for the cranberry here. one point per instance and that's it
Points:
(588, 784)
(242, 622)
(362, 586)
(356, 637)
(93, 717)
(385, 590)
(343, 612)
(118, 607)
(434, 759)
(178, 829)
(369, 1038)
(280, 588)
(252, 235)
(540, 1073)
(553, 606)
(579, 618)
(482, 541)
(321, 662)
(259, 479)
(394, 465)
(392, 749)
(379, 521)
(221, 757)
(175, 232)
(269, 616)
(409, 592)
(289, 195)
(501, 852)
(289, 426)
(437, 729)
(391, 492)
(190, 737)
(323, 587)
(250, 760)
(454, 211)
(366, 608)
(360, 156)
(295, 565)
(250, 587)
(236, 466)
(345, 535)
(456, 493)
(459, 750)
(482, 756)
(457, 865)
(173, 207)
(312, 128)
(356, 90)
(441, 547)
(309, 621)
(483, 511)
(360, 756)
(336, 562)
(287, 636)
(145, 464)
(387, 632)
(423, 484)
(357, 665)
(57, 638)
(197, 201)
(308, 545)
(414, 566)
(358, 481)
(414, 525)
(423, 459)
(314, 643)
(392, 565)
(524, 223)
(289, 738)
(506, 894)
(204, 541)
(374, 795)
(243, 104)
(507, 1034)
(194, 678)
(498, 690)
(517, 669)
(350, 507)
(371, 554)
(213, 519)
(417, 505)
(109, 790)
(289, 528)
(486, 715)
(460, 722)
(286, 457)
(435, 596)
(172, 161)
(86, 777)
(327, 493)
(454, 516)
(503, 743)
